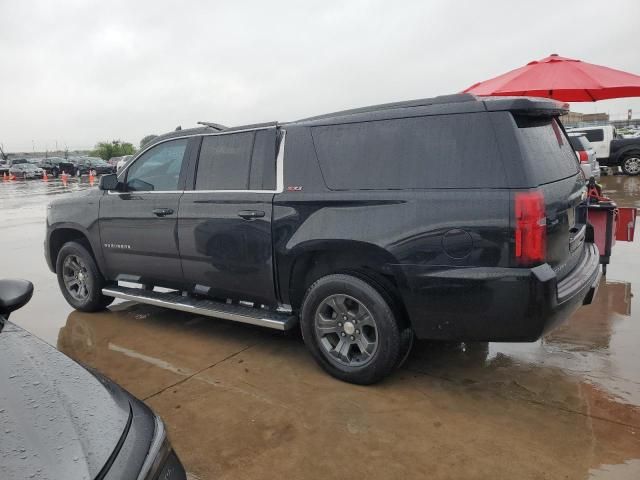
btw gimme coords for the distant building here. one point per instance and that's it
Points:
(571, 118)
(574, 119)
(595, 117)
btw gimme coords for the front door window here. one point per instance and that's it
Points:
(158, 169)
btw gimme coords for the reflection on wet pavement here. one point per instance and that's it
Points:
(244, 402)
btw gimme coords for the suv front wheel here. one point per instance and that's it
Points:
(79, 278)
(350, 329)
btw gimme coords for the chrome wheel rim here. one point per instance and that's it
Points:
(632, 165)
(76, 277)
(346, 331)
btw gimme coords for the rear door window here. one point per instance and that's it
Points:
(546, 148)
(238, 161)
(443, 151)
(225, 161)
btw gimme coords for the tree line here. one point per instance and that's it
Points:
(117, 148)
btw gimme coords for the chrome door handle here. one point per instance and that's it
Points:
(162, 212)
(250, 214)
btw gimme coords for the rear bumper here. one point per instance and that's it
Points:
(496, 304)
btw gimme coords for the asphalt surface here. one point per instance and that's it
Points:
(242, 402)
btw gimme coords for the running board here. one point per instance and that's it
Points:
(209, 308)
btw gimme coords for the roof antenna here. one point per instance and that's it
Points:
(178, 128)
(215, 126)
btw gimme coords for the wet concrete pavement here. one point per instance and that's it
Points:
(243, 402)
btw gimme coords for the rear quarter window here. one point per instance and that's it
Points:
(576, 143)
(594, 135)
(443, 151)
(546, 149)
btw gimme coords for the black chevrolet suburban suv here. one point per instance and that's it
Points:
(452, 218)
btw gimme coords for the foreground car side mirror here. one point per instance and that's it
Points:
(109, 182)
(14, 294)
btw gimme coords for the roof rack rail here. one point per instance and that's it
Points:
(215, 126)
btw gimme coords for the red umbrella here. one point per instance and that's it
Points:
(563, 79)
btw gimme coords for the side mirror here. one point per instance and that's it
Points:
(14, 294)
(109, 182)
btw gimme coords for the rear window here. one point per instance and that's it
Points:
(546, 148)
(444, 151)
(579, 143)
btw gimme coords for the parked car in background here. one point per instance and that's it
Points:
(26, 171)
(16, 161)
(122, 161)
(586, 155)
(611, 150)
(113, 161)
(85, 164)
(87, 426)
(453, 218)
(54, 166)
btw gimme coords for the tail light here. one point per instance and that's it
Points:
(583, 156)
(531, 228)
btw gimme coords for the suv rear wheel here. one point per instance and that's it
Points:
(351, 330)
(79, 278)
(631, 164)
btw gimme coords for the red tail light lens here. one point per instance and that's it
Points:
(584, 158)
(531, 228)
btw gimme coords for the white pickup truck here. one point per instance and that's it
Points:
(611, 150)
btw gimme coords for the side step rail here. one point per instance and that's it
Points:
(209, 308)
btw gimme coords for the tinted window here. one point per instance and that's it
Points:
(225, 161)
(544, 144)
(158, 168)
(263, 161)
(579, 143)
(445, 151)
(594, 135)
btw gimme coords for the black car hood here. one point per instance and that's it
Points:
(57, 419)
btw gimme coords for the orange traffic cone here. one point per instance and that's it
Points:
(44, 176)
(4, 176)
(63, 177)
(91, 177)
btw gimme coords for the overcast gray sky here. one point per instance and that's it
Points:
(77, 72)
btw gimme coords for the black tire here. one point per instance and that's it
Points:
(91, 298)
(388, 351)
(631, 164)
